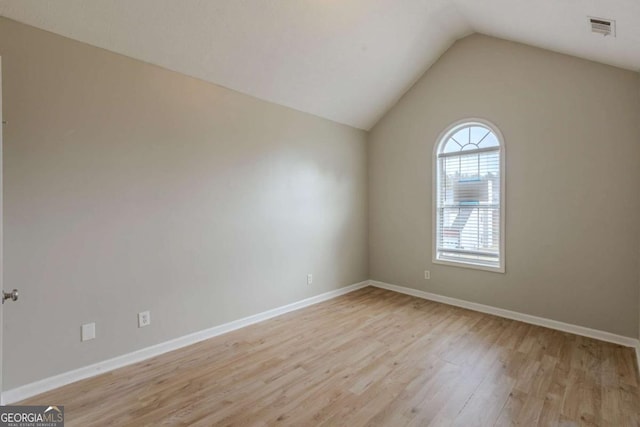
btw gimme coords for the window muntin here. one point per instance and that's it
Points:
(469, 197)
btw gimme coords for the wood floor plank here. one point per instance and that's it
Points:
(369, 358)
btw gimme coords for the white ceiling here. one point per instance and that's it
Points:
(345, 60)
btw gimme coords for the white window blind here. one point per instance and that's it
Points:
(469, 203)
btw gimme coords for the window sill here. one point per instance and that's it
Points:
(469, 265)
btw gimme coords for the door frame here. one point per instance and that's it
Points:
(1, 231)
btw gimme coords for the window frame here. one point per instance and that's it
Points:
(443, 137)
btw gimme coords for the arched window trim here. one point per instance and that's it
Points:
(437, 152)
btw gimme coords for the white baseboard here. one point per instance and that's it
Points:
(23, 392)
(514, 315)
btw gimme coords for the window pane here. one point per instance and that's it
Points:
(462, 136)
(451, 147)
(471, 228)
(489, 141)
(477, 133)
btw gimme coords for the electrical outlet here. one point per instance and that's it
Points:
(88, 331)
(309, 279)
(144, 319)
(427, 275)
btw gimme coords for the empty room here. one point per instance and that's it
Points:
(320, 213)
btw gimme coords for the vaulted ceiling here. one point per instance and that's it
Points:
(345, 60)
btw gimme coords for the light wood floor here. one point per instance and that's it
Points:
(372, 357)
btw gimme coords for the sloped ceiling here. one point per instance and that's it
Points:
(344, 60)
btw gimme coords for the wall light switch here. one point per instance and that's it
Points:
(88, 332)
(427, 275)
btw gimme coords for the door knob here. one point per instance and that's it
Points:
(13, 295)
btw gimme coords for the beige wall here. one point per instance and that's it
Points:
(572, 150)
(130, 188)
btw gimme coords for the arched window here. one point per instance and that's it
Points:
(469, 196)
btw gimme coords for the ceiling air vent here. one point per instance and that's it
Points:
(606, 27)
